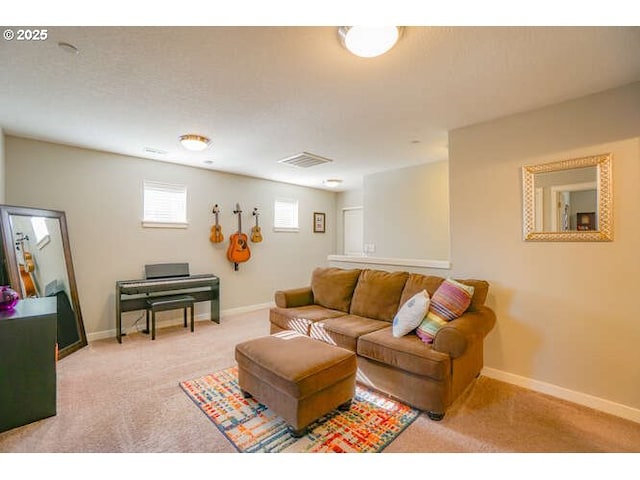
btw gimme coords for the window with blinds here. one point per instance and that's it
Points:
(41, 231)
(165, 205)
(285, 215)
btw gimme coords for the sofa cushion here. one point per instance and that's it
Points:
(333, 287)
(480, 291)
(449, 302)
(300, 319)
(377, 294)
(417, 282)
(411, 314)
(344, 331)
(406, 353)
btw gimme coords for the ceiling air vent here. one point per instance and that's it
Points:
(154, 151)
(304, 160)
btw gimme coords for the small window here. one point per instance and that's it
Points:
(165, 205)
(285, 215)
(41, 231)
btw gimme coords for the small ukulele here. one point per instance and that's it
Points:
(216, 231)
(238, 250)
(256, 234)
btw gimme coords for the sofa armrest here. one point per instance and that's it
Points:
(295, 297)
(456, 336)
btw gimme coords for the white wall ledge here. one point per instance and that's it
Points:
(400, 262)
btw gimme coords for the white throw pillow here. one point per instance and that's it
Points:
(411, 314)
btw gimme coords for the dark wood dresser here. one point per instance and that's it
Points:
(28, 336)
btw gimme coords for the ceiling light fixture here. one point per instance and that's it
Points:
(195, 143)
(332, 182)
(369, 41)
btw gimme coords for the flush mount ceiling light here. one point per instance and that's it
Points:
(369, 41)
(332, 182)
(195, 143)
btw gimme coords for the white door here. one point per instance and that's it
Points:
(353, 230)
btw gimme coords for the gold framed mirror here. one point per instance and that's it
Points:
(569, 200)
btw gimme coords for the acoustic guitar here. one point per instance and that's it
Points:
(28, 261)
(238, 251)
(27, 282)
(256, 234)
(26, 268)
(216, 231)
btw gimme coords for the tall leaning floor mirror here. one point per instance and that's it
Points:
(37, 263)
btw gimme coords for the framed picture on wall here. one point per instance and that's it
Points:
(586, 220)
(318, 222)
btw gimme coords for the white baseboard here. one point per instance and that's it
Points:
(178, 321)
(249, 308)
(580, 398)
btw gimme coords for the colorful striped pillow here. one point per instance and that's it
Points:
(449, 301)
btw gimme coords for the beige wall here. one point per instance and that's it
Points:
(348, 199)
(567, 312)
(406, 212)
(101, 194)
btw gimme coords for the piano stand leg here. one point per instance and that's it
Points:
(146, 330)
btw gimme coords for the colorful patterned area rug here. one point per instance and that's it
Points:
(372, 422)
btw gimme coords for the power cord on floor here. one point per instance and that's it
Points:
(135, 324)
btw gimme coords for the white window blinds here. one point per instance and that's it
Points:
(165, 204)
(285, 214)
(41, 231)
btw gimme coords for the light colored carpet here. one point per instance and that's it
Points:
(125, 398)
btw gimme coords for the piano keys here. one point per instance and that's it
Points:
(163, 280)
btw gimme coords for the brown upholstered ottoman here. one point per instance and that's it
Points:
(299, 378)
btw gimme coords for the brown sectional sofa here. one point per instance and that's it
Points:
(354, 309)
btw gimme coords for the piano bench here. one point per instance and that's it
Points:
(168, 303)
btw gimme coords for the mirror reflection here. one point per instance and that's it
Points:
(569, 200)
(37, 263)
(566, 200)
(40, 260)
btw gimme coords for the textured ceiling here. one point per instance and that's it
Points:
(266, 93)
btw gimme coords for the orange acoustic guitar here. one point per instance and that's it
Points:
(26, 269)
(27, 281)
(256, 234)
(216, 231)
(238, 250)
